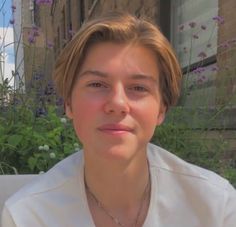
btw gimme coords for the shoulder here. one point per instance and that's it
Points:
(169, 164)
(45, 201)
(189, 191)
(57, 177)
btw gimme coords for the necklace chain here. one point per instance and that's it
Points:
(115, 219)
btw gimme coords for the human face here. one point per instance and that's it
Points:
(115, 103)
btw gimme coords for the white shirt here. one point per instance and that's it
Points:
(182, 195)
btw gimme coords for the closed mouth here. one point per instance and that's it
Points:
(115, 128)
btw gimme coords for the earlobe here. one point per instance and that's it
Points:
(68, 110)
(161, 116)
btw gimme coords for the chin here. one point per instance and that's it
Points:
(117, 152)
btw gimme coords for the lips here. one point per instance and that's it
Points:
(115, 128)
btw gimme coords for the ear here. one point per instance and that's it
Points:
(161, 115)
(68, 110)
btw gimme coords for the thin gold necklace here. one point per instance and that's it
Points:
(113, 218)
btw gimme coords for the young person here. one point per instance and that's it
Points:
(118, 77)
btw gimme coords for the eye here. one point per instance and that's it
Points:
(96, 85)
(139, 88)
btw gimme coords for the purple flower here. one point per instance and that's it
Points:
(202, 55)
(185, 50)
(44, 2)
(199, 70)
(40, 112)
(181, 27)
(59, 102)
(219, 19)
(232, 41)
(209, 45)
(31, 39)
(49, 90)
(12, 21)
(195, 36)
(50, 45)
(71, 33)
(13, 8)
(192, 24)
(200, 81)
(228, 44)
(214, 68)
(203, 27)
(225, 45)
(38, 76)
(34, 27)
(35, 31)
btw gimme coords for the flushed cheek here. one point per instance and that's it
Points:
(147, 119)
(86, 105)
(81, 126)
(84, 116)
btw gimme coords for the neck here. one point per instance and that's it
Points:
(118, 186)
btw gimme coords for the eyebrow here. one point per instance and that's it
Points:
(93, 72)
(105, 75)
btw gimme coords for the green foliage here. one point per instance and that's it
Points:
(34, 135)
(31, 142)
(189, 136)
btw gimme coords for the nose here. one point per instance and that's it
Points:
(117, 101)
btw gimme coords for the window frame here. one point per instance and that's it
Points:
(166, 28)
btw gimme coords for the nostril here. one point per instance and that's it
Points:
(116, 107)
(117, 101)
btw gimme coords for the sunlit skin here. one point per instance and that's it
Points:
(115, 107)
(116, 103)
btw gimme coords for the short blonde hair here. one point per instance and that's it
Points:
(119, 28)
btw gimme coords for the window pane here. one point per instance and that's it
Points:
(201, 87)
(193, 30)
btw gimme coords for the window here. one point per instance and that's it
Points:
(193, 33)
(193, 30)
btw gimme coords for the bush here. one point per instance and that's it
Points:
(189, 136)
(34, 133)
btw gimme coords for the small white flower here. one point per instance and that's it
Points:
(52, 155)
(63, 120)
(41, 148)
(41, 172)
(76, 145)
(46, 147)
(77, 149)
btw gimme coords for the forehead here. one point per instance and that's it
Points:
(110, 57)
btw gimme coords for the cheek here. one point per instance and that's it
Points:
(83, 106)
(148, 112)
(84, 113)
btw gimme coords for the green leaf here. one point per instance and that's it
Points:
(14, 140)
(32, 162)
(1, 130)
